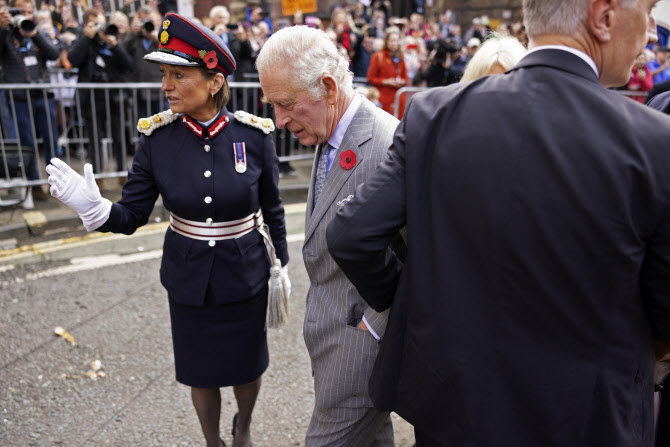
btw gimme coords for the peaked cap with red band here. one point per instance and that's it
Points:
(182, 42)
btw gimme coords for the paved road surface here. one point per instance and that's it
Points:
(116, 310)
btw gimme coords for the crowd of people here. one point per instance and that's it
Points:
(651, 70)
(385, 51)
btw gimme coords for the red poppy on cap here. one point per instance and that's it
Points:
(348, 159)
(210, 59)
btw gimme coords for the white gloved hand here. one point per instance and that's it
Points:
(286, 280)
(79, 193)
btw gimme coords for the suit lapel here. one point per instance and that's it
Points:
(359, 131)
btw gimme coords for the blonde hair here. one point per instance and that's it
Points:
(504, 52)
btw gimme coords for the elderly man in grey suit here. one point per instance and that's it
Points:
(309, 84)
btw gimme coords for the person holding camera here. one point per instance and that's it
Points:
(227, 31)
(365, 48)
(440, 68)
(24, 50)
(142, 40)
(100, 59)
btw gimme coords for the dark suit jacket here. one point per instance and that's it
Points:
(657, 89)
(661, 102)
(537, 206)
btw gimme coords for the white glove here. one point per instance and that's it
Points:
(286, 280)
(79, 193)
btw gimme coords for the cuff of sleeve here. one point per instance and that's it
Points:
(97, 216)
(372, 331)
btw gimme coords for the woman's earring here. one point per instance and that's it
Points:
(212, 95)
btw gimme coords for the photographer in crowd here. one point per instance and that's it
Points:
(100, 59)
(440, 68)
(363, 51)
(24, 50)
(142, 40)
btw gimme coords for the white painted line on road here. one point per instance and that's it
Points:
(95, 262)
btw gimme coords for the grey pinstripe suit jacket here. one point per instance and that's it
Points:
(342, 356)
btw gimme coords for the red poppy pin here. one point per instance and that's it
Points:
(210, 59)
(348, 159)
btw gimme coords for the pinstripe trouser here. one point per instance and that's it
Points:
(349, 427)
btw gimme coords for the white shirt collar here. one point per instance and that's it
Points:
(336, 138)
(585, 57)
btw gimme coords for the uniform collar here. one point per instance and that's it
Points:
(216, 126)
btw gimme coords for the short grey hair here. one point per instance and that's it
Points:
(565, 17)
(308, 53)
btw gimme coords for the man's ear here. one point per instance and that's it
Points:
(600, 18)
(332, 89)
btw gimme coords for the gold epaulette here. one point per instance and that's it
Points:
(264, 124)
(148, 125)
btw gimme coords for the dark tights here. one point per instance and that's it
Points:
(207, 403)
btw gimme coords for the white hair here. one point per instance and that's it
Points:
(308, 54)
(218, 9)
(565, 17)
(503, 51)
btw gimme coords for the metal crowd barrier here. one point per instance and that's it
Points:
(104, 132)
(96, 122)
(408, 91)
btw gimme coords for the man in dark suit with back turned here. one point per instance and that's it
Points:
(662, 102)
(537, 284)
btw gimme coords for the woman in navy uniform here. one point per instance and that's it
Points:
(217, 174)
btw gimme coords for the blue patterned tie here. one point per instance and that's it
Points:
(321, 171)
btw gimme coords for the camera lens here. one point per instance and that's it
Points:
(20, 21)
(111, 30)
(27, 25)
(23, 23)
(148, 26)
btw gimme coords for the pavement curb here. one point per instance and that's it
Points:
(29, 226)
(151, 234)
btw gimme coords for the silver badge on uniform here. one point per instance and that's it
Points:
(240, 157)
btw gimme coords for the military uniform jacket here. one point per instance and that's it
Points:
(193, 169)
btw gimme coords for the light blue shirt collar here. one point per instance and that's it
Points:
(585, 57)
(336, 138)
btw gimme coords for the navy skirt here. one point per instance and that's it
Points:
(220, 345)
